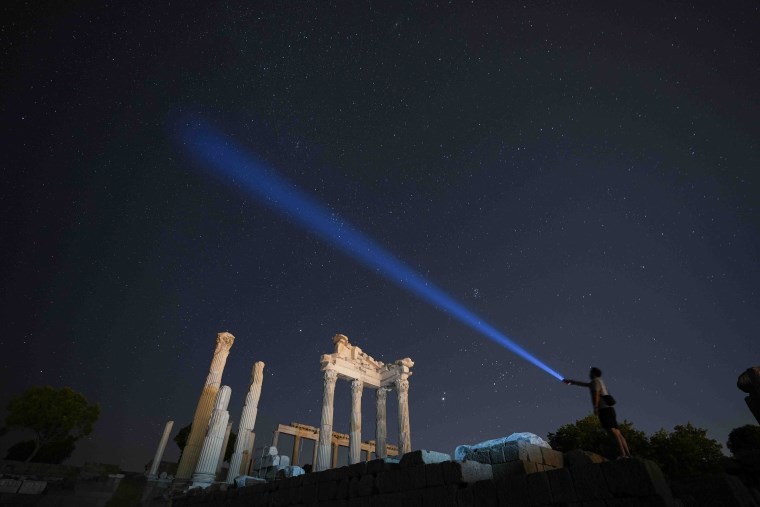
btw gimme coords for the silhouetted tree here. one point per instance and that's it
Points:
(744, 438)
(685, 452)
(58, 418)
(588, 434)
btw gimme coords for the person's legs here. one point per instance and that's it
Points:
(622, 444)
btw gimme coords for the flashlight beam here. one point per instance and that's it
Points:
(213, 149)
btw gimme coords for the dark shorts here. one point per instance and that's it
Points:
(608, 418)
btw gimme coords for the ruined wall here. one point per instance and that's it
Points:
(453, 483)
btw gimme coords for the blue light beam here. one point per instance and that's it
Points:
(213, 149)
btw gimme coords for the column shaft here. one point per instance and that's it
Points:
(205, 472)
(247, 422)
(355, 434)
(404, 432)
(245, 467)
(224, 449)
(296, 450)
(326, 426)
(190, 454)
(380, 426)
(160, 450)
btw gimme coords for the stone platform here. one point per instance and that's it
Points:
(415, 482)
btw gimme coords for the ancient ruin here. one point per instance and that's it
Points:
(189, 460)
(349, 362)
(302, 432)
(205, 471)
(160, 451)
(241, 458)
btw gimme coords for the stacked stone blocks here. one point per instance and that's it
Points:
(421, 481)
(517, 457)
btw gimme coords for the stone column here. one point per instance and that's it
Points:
(247, 422)
(192, 450)
(160, 450)
(355, 434)
(404, 433)
(380, 428)
(296, 450)
(324, 454)
(205, 472)
(224, 449)
(245, 466)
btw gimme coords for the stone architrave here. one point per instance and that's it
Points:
(404, 432)
(224, 449)
(380, 426)
(324, 453)
(247, 422)
(160, 450)
(205, 472)
(190, 454)
(355, 436)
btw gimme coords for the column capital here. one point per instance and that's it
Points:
(357, 386)
(331, 376)
(382, 393)
(402, 386)
(224, 340)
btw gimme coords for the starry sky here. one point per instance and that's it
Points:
(582, 176)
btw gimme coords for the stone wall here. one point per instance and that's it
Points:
(628, 482)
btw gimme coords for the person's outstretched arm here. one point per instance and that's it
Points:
(572, 382)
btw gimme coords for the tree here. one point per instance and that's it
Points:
(181, 440)
(686, 452)
(744, 438)
(57, 417)
(588, 434)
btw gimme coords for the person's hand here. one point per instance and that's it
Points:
(567, 381)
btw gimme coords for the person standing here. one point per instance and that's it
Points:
(602, 408)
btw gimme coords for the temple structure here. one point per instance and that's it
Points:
(350, 363)
(301, 432)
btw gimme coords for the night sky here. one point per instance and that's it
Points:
(583, 176)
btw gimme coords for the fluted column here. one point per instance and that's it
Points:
(380, 426)
(190, 454)
(224, 449)
(324, 453)
(355, 434)
(205, 472)
(404, 432)
(160, 450)
(247, 422)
